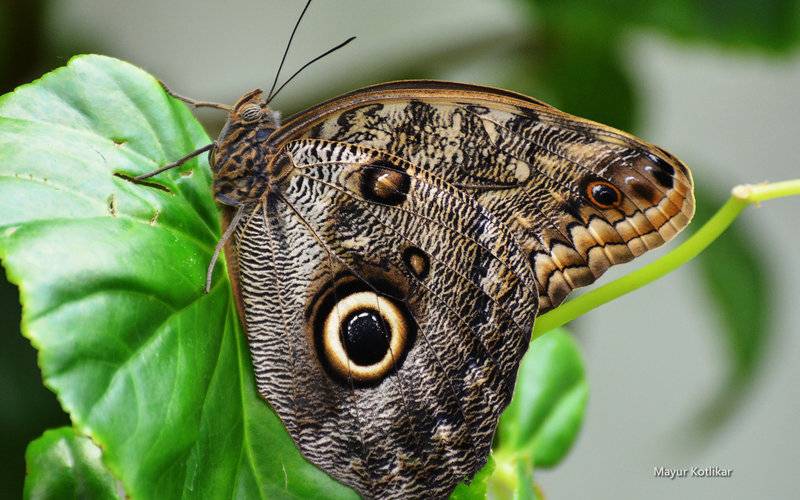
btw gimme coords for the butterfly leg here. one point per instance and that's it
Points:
(180, 161)
(237, 218)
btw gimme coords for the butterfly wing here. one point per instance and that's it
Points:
(387, 313)
(391, 275)
(581, 196)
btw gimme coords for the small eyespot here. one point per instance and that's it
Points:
(384, 182)
(251, 113)
(603, 194)
(417, 262)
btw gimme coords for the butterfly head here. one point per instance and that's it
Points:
(243, 150)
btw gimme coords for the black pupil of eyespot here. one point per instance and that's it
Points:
(603, 194)
(366, 337)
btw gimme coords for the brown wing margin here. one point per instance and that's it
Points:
(296, 124)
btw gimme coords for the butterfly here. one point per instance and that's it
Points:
(391, 248)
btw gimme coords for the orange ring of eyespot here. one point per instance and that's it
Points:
(334, 348)
(590, 187)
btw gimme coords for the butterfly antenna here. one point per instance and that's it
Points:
(285, 52)
(309, 63)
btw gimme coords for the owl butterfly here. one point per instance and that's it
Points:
(391, 248)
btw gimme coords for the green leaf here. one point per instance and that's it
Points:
(545, 415)
(586, 76)
(767, 25)
(111, 280)
(64, 464)
(575, 58)
(743, 312)
(579, 69)
(478, 487)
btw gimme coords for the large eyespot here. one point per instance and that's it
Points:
(364, 336)
(603, 194)
(362, 328)
(251, 113)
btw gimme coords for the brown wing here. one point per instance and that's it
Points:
(391, 273)
(387, 313)
(580, 195)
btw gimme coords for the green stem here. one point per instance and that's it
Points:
(503, 482)
(741, 197)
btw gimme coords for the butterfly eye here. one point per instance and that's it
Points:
(251, 113)
(603, 194)
(363, 337)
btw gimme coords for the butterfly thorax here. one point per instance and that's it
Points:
(242, 153)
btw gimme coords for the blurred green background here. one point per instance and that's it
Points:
(698, 369)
